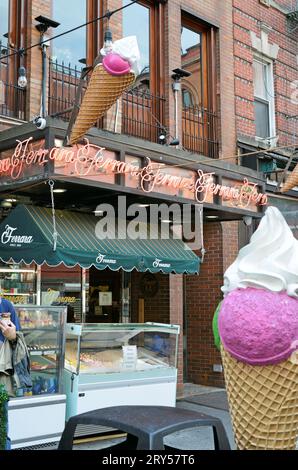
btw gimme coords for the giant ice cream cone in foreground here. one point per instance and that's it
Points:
(291, 181)
(258, 330)
(108, 81)
(263, 403)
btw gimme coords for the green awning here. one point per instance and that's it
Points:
(27, 235)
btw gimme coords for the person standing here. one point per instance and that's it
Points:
(9, 325)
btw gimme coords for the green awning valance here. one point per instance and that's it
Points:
(27, 235)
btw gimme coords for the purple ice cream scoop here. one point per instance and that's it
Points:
(115, 65)
(259, 327)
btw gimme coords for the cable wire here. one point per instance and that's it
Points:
(107, 15)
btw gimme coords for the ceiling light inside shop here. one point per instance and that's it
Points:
(211, 216)
(59, 190)
(143, 205)
(10, 199)
(166, 221)
(98, 212)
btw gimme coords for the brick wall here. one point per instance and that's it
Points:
(202, 297)
(248, 16)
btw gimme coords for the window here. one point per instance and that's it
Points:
(263, 98)
(71, 48)
(191, 61)
(140, 29)
(187, 99)
(199, 119)
(4, 7)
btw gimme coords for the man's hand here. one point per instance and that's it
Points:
(8, 330)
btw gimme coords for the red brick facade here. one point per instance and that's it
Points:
(234, 20)
(250, 16)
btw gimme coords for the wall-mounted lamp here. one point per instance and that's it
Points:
(22, 80)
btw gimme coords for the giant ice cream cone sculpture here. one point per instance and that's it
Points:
(291, 181)
(258, 329)
(108, 81)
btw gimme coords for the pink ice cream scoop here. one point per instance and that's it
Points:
(259, 327)
(115, 65)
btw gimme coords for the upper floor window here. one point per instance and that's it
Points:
(187, 98)
(264, 98)
(4, 24)
(191, 61)
(71, 48)
(136, 22)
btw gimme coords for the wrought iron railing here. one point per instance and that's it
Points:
(200, 131)
(138, 113)
(12, 97)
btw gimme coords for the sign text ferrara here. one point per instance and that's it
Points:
(89, 158)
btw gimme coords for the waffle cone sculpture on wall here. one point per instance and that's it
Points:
(103, 91)
(263, 403)
(291, 181)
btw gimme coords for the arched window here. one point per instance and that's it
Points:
(187, 98)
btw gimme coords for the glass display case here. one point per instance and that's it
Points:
(123, 363)
(18, 283)
(44, 405)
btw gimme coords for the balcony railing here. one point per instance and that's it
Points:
(12, 97)
(137, 113)
(200, 131)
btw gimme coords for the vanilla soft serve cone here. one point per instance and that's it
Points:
(258, 329)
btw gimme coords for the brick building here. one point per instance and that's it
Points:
(240, 98)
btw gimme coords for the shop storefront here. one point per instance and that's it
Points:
(58, 196)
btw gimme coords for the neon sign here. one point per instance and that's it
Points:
(86, 159)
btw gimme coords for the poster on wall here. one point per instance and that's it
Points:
(105, 298)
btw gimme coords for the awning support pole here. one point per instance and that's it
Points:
(55, 234)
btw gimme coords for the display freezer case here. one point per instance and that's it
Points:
(120, 364)
(37, 415)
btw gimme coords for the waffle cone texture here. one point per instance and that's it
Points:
(263, 403)
(103, 91)
(291, 181)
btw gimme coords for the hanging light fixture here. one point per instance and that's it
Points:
(22, 80)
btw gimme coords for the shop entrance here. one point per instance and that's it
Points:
(108, 296)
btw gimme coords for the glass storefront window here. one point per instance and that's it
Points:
(18, 283)
(62, 286)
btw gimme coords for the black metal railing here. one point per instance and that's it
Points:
(200, 131)
(12, 97)
(138, 113)
(63, 84)
(143, 114)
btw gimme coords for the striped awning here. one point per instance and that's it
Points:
(26, 235)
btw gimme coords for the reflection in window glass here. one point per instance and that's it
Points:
(4, 4)
(191, 61)
(136, 22)
(187, 98)
(71, 47)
